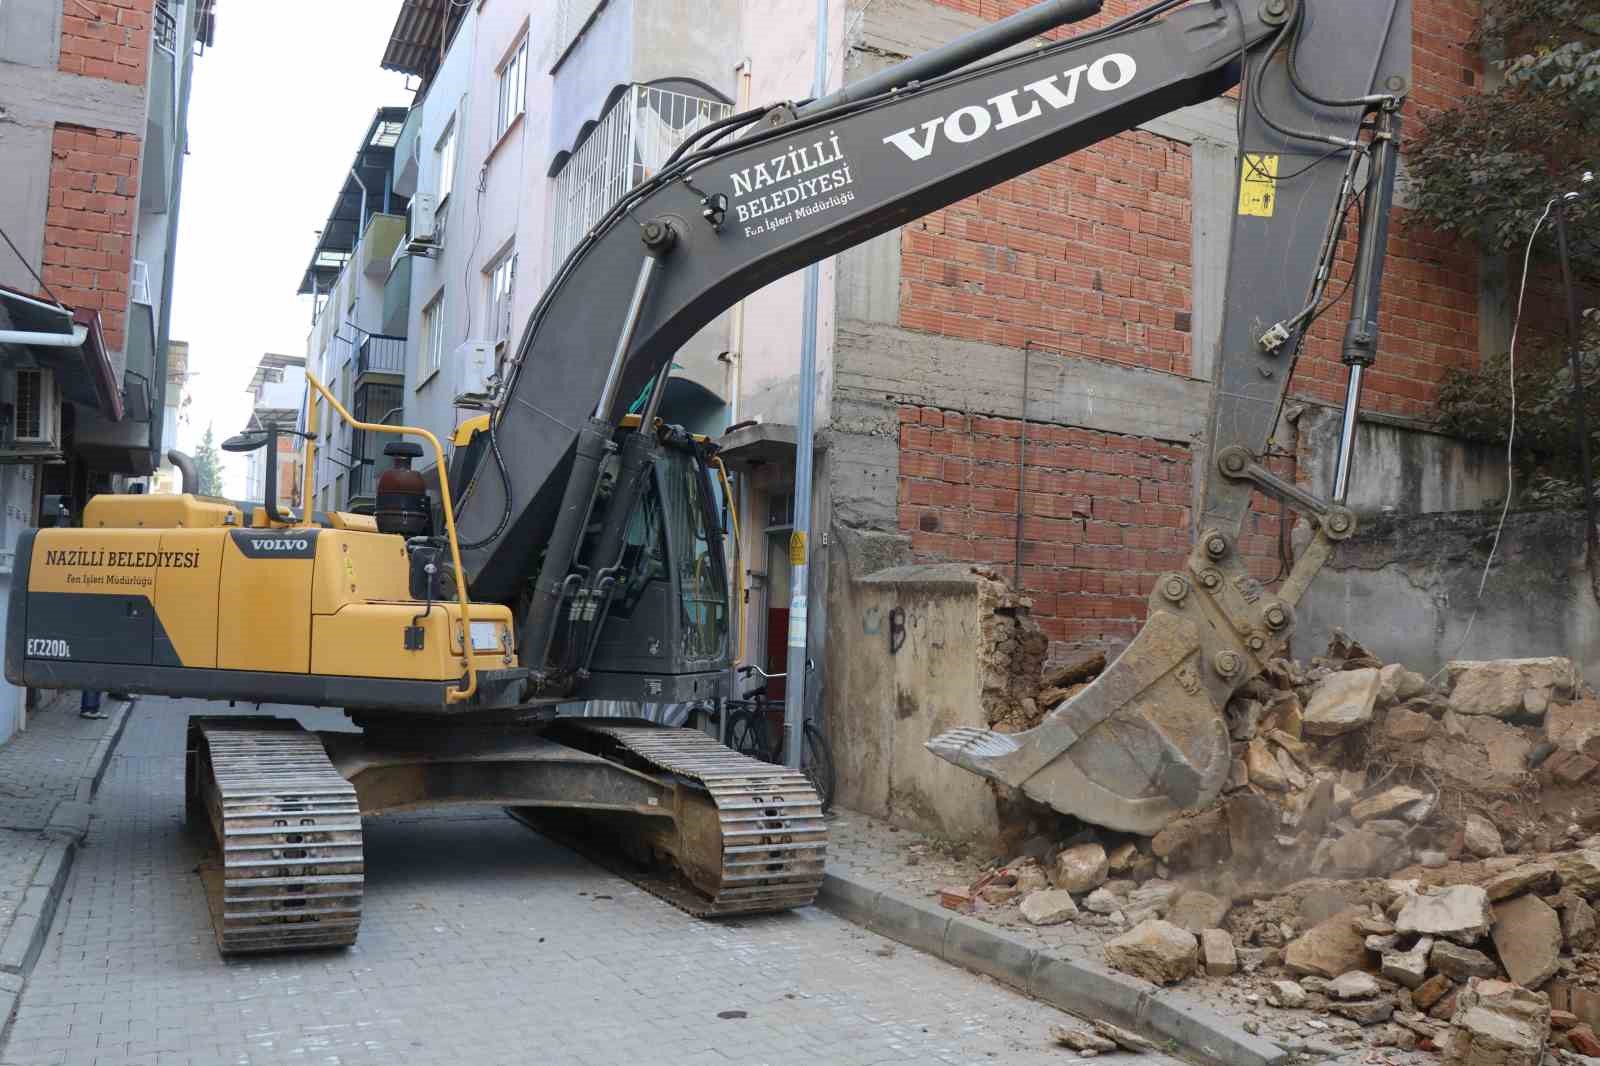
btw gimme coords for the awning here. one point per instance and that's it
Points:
(373, 163)
(81, 363)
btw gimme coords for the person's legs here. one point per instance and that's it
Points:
(89, 705)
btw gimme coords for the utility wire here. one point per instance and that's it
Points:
(29, 268)
(1511, 434)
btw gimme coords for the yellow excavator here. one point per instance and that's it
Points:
(567, 551)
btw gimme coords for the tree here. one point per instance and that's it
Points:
(208, 465)
(1486, 170)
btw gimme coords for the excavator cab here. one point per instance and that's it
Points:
(659, 631)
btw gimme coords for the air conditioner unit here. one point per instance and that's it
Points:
(35, 411)
(476, 359)
(422, 222)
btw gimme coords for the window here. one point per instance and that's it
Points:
(502, 282)
(572, 18)
(431, 352)
(513, 88)
(445, 157)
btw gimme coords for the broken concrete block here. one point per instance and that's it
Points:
(1458, 912)
(1155, 950)
(1578, 923)
(1461, 963)
(1120, 858)
(1579, 871)
(1481, 838)
(1081, 1040)
(1527, 935)
(1506, 687)
(1263, 767)
(1431, 991)
(1366, 851)
(1329, 948)
(1572, 726)
(1366, 1011)
(1570, 768)
(1286, 994)
(1101, 902)
(1049, 906)
(1397, 684)
(1150, 900)
(1497, 1024)
(1081, 868)
(1528, 877)
(1198, 911)
(1354, 984)
(1408, 968)
(1404, 726)
(1386, 803)
(1217, 951)
(1341, 703)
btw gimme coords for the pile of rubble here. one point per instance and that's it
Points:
(1395, 860)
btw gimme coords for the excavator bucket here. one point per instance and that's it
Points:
(1148, 738)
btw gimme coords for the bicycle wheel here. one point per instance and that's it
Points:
(816, 762)
(747, 734)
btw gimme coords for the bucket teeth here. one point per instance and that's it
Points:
(288, 874)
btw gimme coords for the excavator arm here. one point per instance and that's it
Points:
(1321, 82)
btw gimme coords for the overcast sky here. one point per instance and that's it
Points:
(277, 111)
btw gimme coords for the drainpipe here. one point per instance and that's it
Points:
(78, 335)
(794, 702)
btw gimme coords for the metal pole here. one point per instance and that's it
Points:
(1580, 417)
(794, 699)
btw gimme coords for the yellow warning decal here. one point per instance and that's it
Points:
(1258, 185)
(797, 548)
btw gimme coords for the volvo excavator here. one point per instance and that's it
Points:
(568, 551)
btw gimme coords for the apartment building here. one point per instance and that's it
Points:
(1019, 380)
(94, 94)
(167, 478)
(277, 395)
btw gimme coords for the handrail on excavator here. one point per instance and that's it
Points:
(462, 693)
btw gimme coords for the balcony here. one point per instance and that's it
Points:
(378, 242)
(381, 356)
(408, 153)
(397, 298)
(628, 145)
(161, 119)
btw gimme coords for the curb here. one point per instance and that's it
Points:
(100, 759)
(1077, 985)
(68, 825)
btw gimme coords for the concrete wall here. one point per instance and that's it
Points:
(883, 706)
(1407, 587)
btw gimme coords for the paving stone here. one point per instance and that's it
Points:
(482, 942)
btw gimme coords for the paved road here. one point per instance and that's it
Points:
(482, 943)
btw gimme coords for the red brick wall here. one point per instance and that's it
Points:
(1091, 256)
(107, 39)
(88, 233)
(1102, 514)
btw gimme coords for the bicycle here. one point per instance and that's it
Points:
(755, 728)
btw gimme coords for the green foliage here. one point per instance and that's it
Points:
(208, 465)
(1486, 169)
(1476, 404)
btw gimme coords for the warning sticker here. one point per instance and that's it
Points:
(1258, 185)
(797, 548)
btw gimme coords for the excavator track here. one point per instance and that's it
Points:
(760, 848)
(287, 829)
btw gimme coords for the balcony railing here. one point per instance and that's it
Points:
(379, 354)
(643, 128)
(166, 27)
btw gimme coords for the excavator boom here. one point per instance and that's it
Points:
(1321, 84)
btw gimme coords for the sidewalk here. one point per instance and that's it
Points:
(889, 879)
(48, 776)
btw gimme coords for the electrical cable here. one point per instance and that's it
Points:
(1511, 434)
